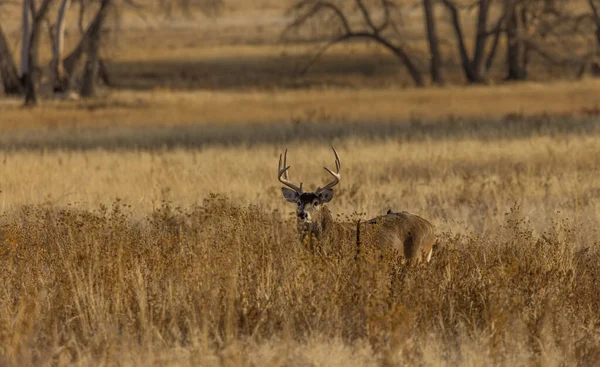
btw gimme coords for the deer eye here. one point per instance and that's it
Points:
(299, 202)
(316, 202)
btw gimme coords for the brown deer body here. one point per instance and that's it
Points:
(409, 234)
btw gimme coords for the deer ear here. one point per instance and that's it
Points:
(290, 195)
(326, 195)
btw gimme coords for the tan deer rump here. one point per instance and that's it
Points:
(409, 234)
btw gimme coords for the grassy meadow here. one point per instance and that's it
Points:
(189, 256)
(147, 226)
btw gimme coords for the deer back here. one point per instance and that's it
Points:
(407, 233)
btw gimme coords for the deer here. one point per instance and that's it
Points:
(410, 235)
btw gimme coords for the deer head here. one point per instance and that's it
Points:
(310, 205)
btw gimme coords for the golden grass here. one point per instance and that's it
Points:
(118, 247)
(170, 108)
(467, 183)
(126, 256)
(225, 285)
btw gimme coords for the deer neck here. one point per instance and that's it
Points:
(319, 227)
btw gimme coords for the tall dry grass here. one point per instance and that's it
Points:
(139, 229)
(465, 181)
(224, 284)
(190, 256)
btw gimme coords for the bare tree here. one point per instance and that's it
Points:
(88, 45)
(25, 37)
(551, 32)
(379, 32)
(58, 47)
(30, 77)
(514, 44)
(92, 64)
(473, 66)
(433, 41)
(91, 41)
(595, 15)
(523, 20)
(8, 68)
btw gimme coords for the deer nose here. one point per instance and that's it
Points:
(302, 215)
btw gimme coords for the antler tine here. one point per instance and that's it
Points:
(338, 164)
(283, 171)
(287, 177)
(336, 175)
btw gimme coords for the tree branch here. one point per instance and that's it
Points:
(496, 31)
(321, 51)
(595, 11)
(372, 32)
(481, 36)
(398, 51)
(81, 16)
(41, 13)
(462, 48)
(366, 15)
(314, 10)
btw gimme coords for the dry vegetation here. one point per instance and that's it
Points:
(168, 108)
(220, 284)
(147, 226)
(172, 275)
(234, 69)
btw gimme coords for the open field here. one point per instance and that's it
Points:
(125, 256)
(168, 108)
(223, 285)
(460, 172)
(147, 226)
(182, 72)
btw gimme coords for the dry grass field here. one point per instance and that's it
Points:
(147, 226)
(168, 108)
(190, 257)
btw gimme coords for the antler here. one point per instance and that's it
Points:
(283, 172)
(336, 175)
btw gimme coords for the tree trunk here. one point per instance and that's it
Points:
(103, 73)
(401, 54)
(495, 42)
(32, 57)
(8, 68)
(514, 45)
(596, 16)
(92, 64)
(31, 97)
(71, 61)
(481, 37)
(434, 45)
(25, 38)
(59, 85)
(467, 65)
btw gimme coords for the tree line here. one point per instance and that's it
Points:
(516, 34)
(558, 33)
(23, 80)
(84, 60)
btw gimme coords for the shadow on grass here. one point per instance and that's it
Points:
(345, 68)
(264, 72)
(200, 136)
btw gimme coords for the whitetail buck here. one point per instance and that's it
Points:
(411, 235)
